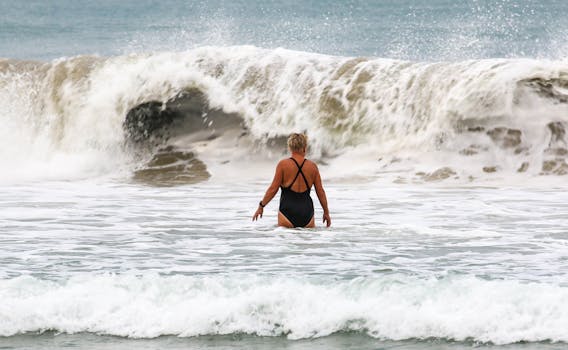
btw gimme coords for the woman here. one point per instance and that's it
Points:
(296, 176)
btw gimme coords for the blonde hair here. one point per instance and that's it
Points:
(297, 142)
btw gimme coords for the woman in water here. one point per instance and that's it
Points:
(296, 206)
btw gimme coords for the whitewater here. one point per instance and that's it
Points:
(496, 115)
(456, 269)
(137, 139)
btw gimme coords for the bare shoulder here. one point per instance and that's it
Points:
(282, 164)
(313, 167)
(311, 163)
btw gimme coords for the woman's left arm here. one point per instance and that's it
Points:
(270, 192)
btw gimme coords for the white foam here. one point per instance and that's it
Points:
(389, 307)
(73, 108)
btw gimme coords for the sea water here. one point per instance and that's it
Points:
(138, 137)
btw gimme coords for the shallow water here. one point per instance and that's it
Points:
(344, 341)
(207, 229)
(486, 265)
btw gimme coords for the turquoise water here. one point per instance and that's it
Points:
(417, 30)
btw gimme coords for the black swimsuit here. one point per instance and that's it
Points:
(297, 207)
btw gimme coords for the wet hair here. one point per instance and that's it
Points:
(297, 142)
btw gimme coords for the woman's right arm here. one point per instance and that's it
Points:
(322, 198)
(270, 192)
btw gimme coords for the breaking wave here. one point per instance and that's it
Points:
(389, 307)
(86, 116)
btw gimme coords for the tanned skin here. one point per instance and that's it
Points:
(283, 176)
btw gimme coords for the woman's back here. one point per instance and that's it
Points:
(292, 174)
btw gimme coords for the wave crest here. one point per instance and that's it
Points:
(396, 109)
(389, 307)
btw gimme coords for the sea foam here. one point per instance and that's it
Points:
(471, 118)
(390, 307)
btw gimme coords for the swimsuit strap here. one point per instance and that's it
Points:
(299, 172)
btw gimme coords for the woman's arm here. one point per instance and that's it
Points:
(322, 198)
(270, 192)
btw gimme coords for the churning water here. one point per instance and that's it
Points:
(138, 137)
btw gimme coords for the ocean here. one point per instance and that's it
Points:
(138, 137)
